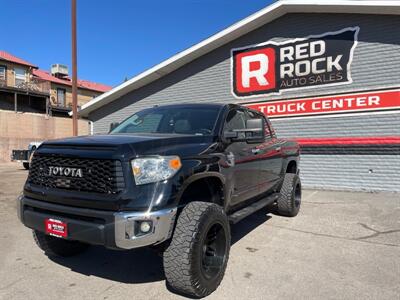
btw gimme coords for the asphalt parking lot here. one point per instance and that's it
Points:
(342, 245)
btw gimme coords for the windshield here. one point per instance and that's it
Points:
(180, 120)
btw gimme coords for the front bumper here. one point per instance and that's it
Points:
(116, 230)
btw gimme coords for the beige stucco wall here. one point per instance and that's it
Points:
(17, 130)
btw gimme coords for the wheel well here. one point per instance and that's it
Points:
(291, 167)
(208, 189)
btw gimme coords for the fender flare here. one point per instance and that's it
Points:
(199, 176)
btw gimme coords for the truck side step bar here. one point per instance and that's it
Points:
(248, 210)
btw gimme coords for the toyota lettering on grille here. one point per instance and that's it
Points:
(65, 171)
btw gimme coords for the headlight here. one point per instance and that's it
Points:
(154, 169)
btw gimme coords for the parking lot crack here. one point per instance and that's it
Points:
(376, 232)
(360, 239)
(368, 227)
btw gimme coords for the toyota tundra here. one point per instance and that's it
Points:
(169, 177)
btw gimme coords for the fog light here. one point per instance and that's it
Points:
(145, 226)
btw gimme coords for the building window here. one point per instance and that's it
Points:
(61, 97)
(2, 73)
(20, 76)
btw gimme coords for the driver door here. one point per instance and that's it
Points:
(244, 168)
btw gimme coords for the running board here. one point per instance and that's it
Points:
(248, 210)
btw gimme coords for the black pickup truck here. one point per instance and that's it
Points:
(170, 177)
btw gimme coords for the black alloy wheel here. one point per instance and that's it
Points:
(214, 251)
(196, 258)
(289, 200)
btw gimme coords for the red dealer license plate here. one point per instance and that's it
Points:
(56, 228)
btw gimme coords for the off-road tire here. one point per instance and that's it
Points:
(53, 246)
(25, 165)
(288, 203)
(184, 258)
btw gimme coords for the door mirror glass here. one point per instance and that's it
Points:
(255, 124)
(255, 130)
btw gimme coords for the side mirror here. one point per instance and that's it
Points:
(253, 133)
(255, 124)
(113, 125)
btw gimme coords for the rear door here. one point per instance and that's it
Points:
(269, 156)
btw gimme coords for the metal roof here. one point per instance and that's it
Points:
(237, 30)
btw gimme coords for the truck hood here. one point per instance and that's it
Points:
(130, 145)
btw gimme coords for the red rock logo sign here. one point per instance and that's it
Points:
(301, 63)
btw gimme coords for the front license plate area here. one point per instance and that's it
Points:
(56, 228)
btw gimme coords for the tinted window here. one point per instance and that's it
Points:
(270, 128)
(236, 119)
(180, 120)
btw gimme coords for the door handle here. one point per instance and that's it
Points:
(255, 150)
(278, 148)
(230, 159)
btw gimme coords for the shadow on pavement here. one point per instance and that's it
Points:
(247, 225)
(133, 266)
(140, 265)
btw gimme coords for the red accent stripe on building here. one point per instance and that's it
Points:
(349, 141)
(334, 104)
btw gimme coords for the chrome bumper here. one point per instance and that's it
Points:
(121, 227)
(126, 230)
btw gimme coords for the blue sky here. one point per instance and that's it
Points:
(118, 38)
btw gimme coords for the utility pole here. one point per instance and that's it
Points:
(74, 71)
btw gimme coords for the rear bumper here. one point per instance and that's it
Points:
(116, 230)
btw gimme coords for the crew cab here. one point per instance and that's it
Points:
(169, 177)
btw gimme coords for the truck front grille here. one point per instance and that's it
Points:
(78, 174)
